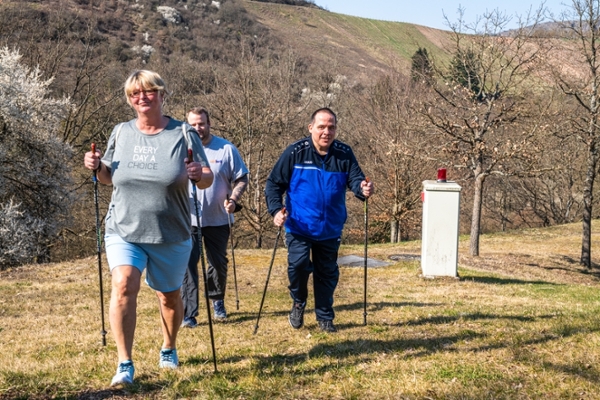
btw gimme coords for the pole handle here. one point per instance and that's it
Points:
(93, 146)
(94, 174)
(190, 155)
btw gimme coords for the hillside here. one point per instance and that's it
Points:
(128, 32)
(360, 47)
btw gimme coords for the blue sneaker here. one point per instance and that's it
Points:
(124, 375)
(219, 307)
(189, 322)
(168, 359)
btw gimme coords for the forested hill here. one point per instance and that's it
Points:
(148, 30)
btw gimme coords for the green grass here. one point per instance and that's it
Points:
(502, 331)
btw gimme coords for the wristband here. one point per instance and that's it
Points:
(99, 167)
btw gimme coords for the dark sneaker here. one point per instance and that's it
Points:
(124, 375)
(297, 315)
(189, 322)
(327, 326)
(219, 307)
(168, 359)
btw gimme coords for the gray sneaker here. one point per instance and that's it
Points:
(327, 326)
(124, 375)
(296, 317)
(219, 307)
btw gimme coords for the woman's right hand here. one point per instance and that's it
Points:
(91, 160)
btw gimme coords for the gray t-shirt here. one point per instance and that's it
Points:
(227, 166)
(149, 201)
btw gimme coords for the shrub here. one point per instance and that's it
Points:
(34, 163)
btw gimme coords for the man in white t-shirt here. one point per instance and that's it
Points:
(216, 203)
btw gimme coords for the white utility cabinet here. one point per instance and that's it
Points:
(439, 248)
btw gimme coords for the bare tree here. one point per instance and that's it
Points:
(479, 100)
(256, 107)
(388, 139)
(580, 24)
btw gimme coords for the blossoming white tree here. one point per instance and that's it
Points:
(35, 179)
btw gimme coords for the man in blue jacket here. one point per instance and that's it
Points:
(314, 173)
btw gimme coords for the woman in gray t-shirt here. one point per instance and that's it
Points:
(148, 224)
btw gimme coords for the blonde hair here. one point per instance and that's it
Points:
(146, 80)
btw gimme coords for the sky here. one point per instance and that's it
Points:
(431, 12)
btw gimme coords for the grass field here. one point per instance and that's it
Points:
(521, 322)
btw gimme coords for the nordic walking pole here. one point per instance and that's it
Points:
(366, 245)
(204, 276)
(268, 276)
(237, 299)
(99, 248)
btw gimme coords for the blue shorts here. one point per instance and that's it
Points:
(166, 263)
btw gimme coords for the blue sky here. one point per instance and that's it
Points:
(431, 12)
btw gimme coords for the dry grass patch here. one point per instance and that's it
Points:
(521, 323)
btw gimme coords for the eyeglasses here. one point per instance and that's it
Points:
(148, 93)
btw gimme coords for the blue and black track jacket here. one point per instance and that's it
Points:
(315, 188)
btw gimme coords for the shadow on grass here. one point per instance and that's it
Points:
(142, 388)
(587, 372)
(242, 317)
(490, 280)
(383, 304)
(447, 319)
(572, 265)
(577, 267)
(349, 353)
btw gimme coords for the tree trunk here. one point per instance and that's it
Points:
(504, 215)
(395, 224)
(394, 231)
(588, 197)
(258, 240)
(476, 217)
